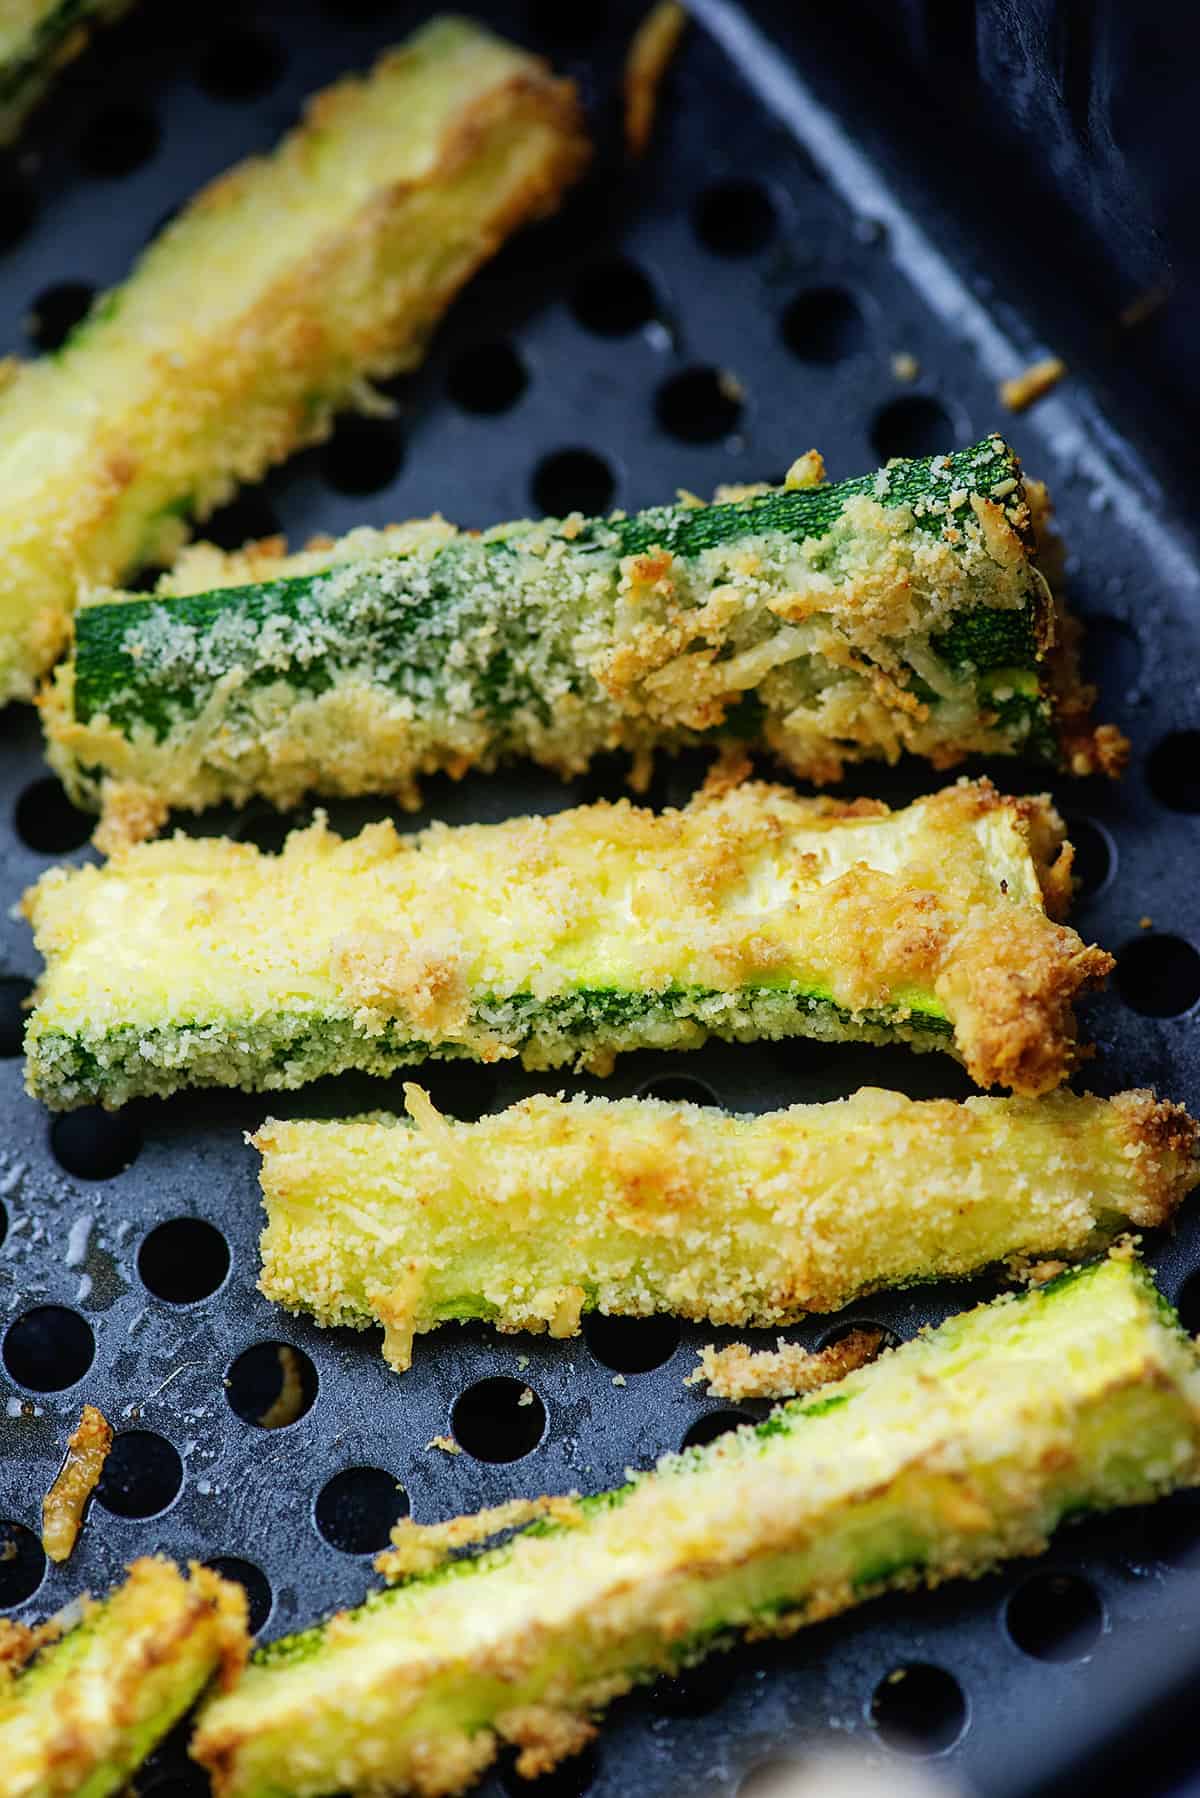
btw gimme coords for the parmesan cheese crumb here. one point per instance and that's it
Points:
(619, 1380)
(447, 1444)
(526, 1397)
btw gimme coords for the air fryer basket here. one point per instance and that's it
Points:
(706, 315)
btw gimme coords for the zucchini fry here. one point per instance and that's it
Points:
(899, 611)
(750, 913)
(271, 302)
(36, 38)
(556, 1207)
(83, 1704)
(940, 1459)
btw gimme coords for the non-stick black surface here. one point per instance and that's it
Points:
(705, 316)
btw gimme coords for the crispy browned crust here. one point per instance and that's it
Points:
(65, 1503)
(420, 1547)
(1086, 747)
(654, 44)
(739, 1372)
(1164, 1142)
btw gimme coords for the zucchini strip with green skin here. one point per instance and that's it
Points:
(899, 611)
(81, 1707)
(36, 38)
(565, 939)
(273, 300)
(556, 1207)
(939, 1460)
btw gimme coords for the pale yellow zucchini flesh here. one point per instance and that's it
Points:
(556, 1207)
(82, 1704)
(940, 1459)
(751, 913)
(265, 307)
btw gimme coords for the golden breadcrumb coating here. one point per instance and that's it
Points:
(739, 1372)
(752, 912)
(650, 55)
(274, 299)
(65, 1503)
(633, 1206)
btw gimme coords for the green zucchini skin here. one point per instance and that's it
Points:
(899, 610)
(961, 1448)
(752, 913)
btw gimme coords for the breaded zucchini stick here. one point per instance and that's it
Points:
(83, 1704)
(36, 38)
(556, 1207)
(268, 305)
(750, 913)
(939, 1460)
(900, 611)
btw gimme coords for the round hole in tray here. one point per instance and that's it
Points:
(613, 298)
(678, 1089)
(177, 1785)
(22, 1564)
(1172, 1527)
(1095, 855)
(1173, 770)
(247, 518)
(1188, 1304)
(183, 1260)
(94, 1144)
(734, 218)
(240, 64)
(573, 480)
(566, 27)
(13, 1011)
(46, 820)
(269, 830)
(364, 455)
(254, 1583)
(1158, 975)
(824, 324)
(919, 1709)
(271, 1385)
(18, 208)
(498, 1419)
(48, 1348)
(631, 1344)
(356, 1510)
(488, 378)
(570, 1779)
(694, 1692)
(711, 1424)
(1055, 1617)
(916, 425)
(142, 1475)
(56, 312)
(1110, 658)
(700, 405)
(118, 140)
(839, 1332)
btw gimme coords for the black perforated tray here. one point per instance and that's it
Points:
(586, 366)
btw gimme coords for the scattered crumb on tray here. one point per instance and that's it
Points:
(447, 1444)
(526, 1397)
(905, 366)
(289, 1402)
(740, 1372)
(654, 44)
(64, 1504)
(1023, 389)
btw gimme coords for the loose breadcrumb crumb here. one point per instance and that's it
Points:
(447, 1444)
(1022, 390)
(420, 1547)
(289, 1402)
(739, 1372)
(905, 366)
(654, 44)
(64, 1504)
